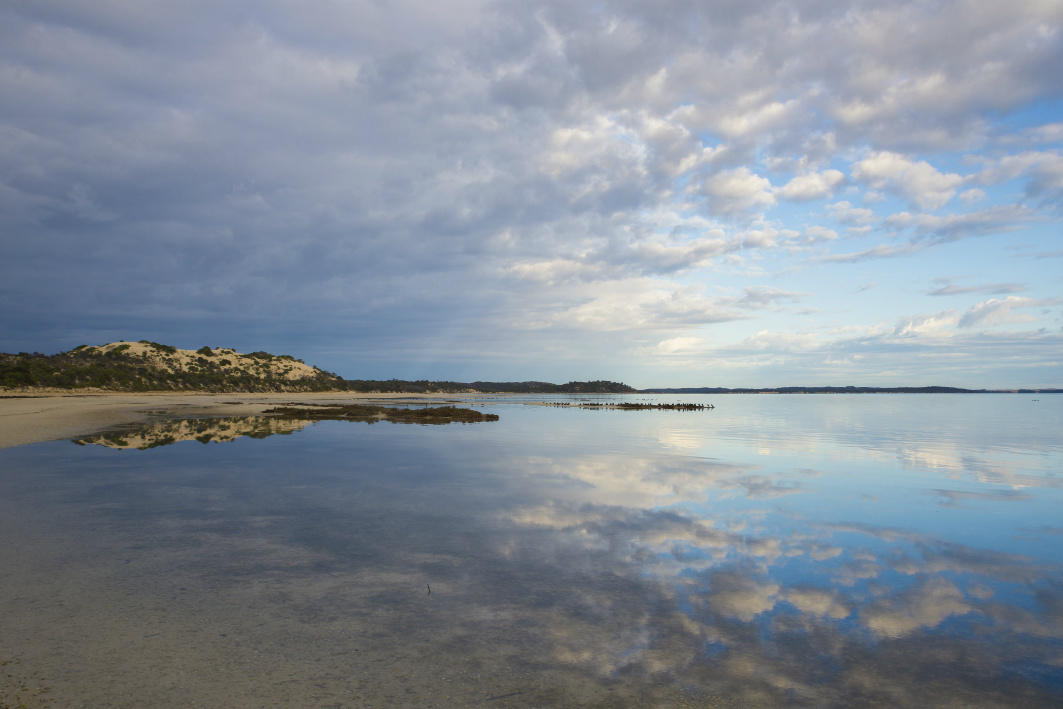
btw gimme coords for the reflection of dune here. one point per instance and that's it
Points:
(201, 430)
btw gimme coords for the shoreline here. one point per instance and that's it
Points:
(39, 417)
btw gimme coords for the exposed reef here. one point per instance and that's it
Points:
(630, 406)
(372, 414)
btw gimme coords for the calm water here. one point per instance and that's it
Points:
(778, 551)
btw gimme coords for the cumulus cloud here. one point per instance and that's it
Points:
(846, 213)
(642, 305)
(999, 311)
(1043, 172)
(680, 345)
(916, 181)
(812, 185)
(814, 234)
(739, 190)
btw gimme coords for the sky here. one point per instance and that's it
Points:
(665, 193)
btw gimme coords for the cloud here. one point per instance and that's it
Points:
(640, 304)
(922, 325)
(812, 186)
(763, 296)
(815, 234)
(1047, 133)
(918, 182)
(997, 288)
(929, 230)
(352, 178)
(1043, 170)
(739, 190)
(680, 345)
(998, 311)
(848, 214)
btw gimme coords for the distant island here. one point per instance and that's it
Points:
(149, 366)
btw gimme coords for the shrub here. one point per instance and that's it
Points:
(168, 349)
(117, 351)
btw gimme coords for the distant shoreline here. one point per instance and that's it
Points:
(847, 390)
(145, 366)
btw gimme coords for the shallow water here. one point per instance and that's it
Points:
(789, 551)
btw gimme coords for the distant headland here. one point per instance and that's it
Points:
(147, 366)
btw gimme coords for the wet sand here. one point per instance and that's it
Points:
(34, 418)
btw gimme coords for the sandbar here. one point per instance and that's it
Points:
(34, 418)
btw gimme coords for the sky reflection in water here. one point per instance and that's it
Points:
(780, 550)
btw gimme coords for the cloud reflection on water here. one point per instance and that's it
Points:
(757, 567)
(755, 582)
(778, 573)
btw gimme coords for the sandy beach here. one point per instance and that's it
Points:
(33, 418)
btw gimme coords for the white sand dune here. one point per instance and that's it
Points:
(174, 359)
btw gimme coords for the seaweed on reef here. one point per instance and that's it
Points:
(370, 414)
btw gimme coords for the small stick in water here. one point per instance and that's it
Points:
(429, 590)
